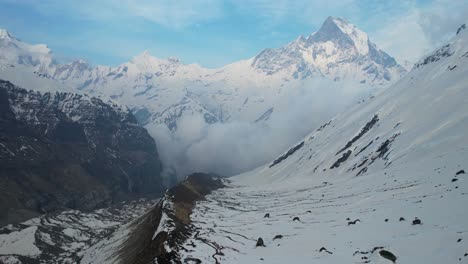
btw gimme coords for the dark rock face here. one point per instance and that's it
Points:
(141, 246)
(63, 150)
(289, 153)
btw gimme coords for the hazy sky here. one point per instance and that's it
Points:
(216, 32)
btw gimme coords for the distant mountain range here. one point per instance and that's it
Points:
(163, 90)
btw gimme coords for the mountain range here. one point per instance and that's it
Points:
(384, 182)
(164, 93)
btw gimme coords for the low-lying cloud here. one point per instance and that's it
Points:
(238, 146)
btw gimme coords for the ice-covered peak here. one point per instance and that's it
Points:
(174, 60)
(4, 34)
(343, 33)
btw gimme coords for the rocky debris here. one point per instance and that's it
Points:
(309, 211)
(159, 234)
(289, 153)
(460, 172)
(451, 68)
(296, 218)
(69, 151)
(342, 159)
(459, 240)
(260, 243)
(353, 222)
(462, 27)
(386, 220)
(443, 52)
(192, 261)
(402, 219)
(278, 237)
(324, 249)
(417, 221)
(61, 237)
(454, 179)
(266, 215)
(361, 133)
(323, 126)
(388, 255)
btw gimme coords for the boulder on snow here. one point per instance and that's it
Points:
(353, 222)
(417, 221)
(260, 242)
(267, 215)
(324, 249)
(402, 219)
(388, 255)
(460, 172)
(296, 218)
(278, 237)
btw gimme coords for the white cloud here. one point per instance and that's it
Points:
(237, 146)
(418, 30)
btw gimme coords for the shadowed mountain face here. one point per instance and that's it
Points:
(63, 150)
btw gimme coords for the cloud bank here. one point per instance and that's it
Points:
(235, 147)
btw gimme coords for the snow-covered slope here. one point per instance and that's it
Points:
(385, 181)
(357, 183)
(59, 238)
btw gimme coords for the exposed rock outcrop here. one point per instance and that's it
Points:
(65, 150)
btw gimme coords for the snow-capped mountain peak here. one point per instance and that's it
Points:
(147, 63)
(4, 34)
(340, 31)
(338, 50)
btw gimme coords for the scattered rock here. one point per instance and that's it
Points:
(386, 220)
(376, 248)
(261, 259)
(466, 254)
(324, 249)
(278, 237)
(417, 221)
(309, 211)
(402, 219)
(296, 218)
(454, 179)
(459, 240)
(260, 243)
(354, 222)
(388, 255)
(267, 215)
(347, 219)
(460, 172)
(192, 260)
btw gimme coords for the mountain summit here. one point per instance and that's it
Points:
(338, 50)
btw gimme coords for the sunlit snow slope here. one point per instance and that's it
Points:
(401, 155)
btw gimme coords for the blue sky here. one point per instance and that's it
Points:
(216, 32)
